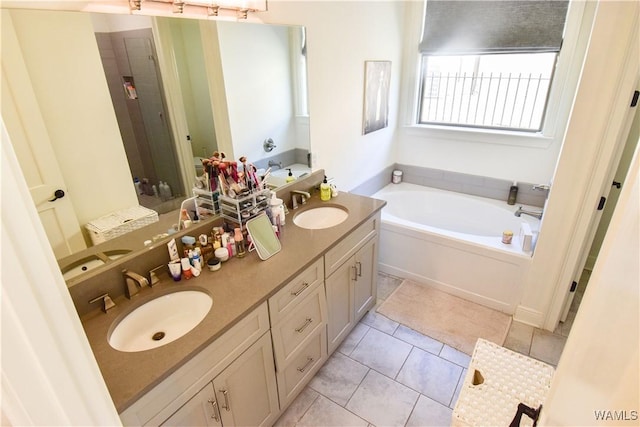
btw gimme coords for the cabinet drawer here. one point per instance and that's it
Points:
(336, 256)
(302, 367)
(293, 292)
(303, 321)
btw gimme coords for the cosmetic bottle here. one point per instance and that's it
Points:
(325, 190)
(239, 241)
(513, 194)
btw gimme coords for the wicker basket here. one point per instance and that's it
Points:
(497, 380)
(120, 222)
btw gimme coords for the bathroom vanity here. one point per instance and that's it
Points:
(272, 325)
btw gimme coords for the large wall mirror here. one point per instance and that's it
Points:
(124, 97)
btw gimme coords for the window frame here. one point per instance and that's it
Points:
(559, 101)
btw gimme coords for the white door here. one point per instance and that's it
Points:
(201, 410)
(28, 135)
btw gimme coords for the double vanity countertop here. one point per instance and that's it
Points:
(240, 286)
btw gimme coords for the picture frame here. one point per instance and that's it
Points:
(377, 79)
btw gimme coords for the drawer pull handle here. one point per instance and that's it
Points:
(304, 326)
(359, 265)
(310, 360)
(214, 405)
(305, 285)
(225, 393)
(355, 273)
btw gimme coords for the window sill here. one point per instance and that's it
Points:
(477, 135)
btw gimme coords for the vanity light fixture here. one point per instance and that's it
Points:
(178, 6)
(207, 8)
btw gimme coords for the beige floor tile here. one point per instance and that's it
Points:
(386, 285)
(547, 347)
(324, 412)
(419, 340)
(456, 394)
(428, 412)
(455, 356)
(431, 375)
(339, 378)
(382, 401)
(297, 409)
(380, 322)
(519, 337)
(354, 337)
(381, 352)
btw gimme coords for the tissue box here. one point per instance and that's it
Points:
(526, 237)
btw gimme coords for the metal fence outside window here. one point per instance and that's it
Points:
(494, 100)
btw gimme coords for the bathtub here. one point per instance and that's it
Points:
(453, 241)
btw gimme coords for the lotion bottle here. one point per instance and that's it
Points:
(513, 194)
(325, 190)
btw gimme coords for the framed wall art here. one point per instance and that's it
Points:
(377, 77)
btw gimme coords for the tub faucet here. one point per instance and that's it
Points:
(303, 198)
(541, 187)
(274, 163)
(534, 214)
(134, 281)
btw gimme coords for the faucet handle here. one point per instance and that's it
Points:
(153, 276)
(107, 302)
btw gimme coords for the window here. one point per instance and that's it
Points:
(489, 64)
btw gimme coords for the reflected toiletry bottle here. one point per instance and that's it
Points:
(513, 194)
(239, 240)
(290, 177)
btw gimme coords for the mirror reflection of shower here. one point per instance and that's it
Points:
(135, 85)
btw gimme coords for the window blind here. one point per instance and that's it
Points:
(479, 26)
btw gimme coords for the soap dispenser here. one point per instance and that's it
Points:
(290, 178)
(325, 190)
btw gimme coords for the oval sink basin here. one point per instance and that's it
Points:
(160, 321)
(81, 266)
(320, 217)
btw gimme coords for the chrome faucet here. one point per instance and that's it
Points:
(534, 214)
(134, 281)
(303, 198)
(541, 187)
(273, 163)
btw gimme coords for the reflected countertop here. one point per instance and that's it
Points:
(237, 288)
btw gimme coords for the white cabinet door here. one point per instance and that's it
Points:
(340, 303)
(246, 390)
(201, 410)
(365, 286)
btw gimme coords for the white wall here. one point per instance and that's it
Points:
(259, 95)
(503, 155)
(593, 140)
(341, 36)
(598, 370)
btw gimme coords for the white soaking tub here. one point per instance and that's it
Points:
(453, 241)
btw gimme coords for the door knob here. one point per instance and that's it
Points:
(58, 194)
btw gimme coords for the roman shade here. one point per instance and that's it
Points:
(476, 26)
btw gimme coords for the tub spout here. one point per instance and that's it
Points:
(534, 214)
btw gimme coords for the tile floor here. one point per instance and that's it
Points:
(385, 374)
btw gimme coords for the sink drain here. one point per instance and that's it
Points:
(158, 336)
